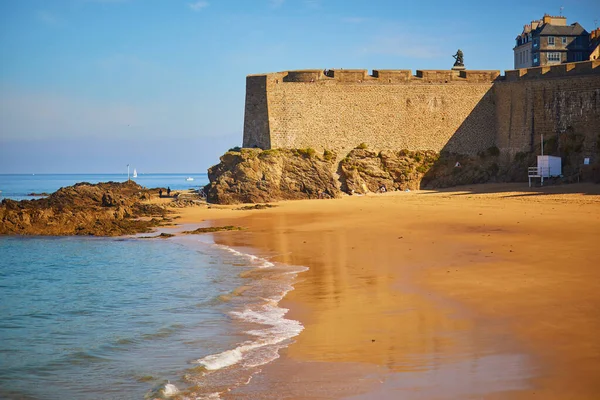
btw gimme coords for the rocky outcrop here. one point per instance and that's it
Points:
(255, 176)
(364, 171)
(259, 176)
(103, 209)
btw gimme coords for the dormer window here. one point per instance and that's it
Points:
(553, 57)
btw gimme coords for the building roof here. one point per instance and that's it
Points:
(595, 37)
(557, 30)
(594, 40)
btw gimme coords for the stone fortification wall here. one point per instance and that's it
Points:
(562, 99)
(458, 111)
(339, 109)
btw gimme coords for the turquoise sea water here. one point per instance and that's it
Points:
(119, 318)
(19, 186)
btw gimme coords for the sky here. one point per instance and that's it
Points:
(89, 86)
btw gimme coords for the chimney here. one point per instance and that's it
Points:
(559, 21)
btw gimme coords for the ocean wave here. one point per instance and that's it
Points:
(163, 332)
(163, 391)
(254, 260)
(255, 306)
(221, 360)
(269, 340)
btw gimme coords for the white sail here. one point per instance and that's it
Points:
(134, 173)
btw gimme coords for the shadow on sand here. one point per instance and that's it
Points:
(519, 189)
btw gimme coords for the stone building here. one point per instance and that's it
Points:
(522, 49)
(595, 44)
(550, 41)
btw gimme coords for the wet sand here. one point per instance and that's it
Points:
(488, 291)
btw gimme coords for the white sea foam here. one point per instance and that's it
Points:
(274, 331)
(221, 360)
(255, 260)
(170, 390)
(210, 396)
(164, 391)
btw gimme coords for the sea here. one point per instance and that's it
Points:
(131, 317)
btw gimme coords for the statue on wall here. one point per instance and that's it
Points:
(459, 59)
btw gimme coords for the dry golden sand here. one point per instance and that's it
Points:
(490, 291)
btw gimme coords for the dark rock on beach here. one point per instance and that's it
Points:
(103, 209)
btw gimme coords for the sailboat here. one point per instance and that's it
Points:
(134, 173)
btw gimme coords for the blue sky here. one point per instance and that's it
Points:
(93, 85)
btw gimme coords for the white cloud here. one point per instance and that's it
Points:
(404, 45)
(354, 20)
(199, 5)
(47, 18)
(105, 1)
(316, 4)
(39, 115)
(276, 3)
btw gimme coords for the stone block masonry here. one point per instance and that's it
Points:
(557, 100)
(458, 111)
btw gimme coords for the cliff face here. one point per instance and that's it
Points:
(364, 171)
(255, 176)
(104, 209)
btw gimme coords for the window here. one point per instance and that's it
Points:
(535, 60)
(553, 57)
(536, 42)
(550, 40)
(564, 40)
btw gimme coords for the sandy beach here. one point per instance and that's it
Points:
(487, 291)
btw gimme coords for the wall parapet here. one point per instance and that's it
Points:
(385, 76)
(554, 71)
(388, 76)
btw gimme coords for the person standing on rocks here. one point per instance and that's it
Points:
(160, 193)
(168, 191)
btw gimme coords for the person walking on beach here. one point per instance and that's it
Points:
(168, 191)
(160, 193)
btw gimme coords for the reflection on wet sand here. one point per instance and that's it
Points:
(434, 296)
(358, 306)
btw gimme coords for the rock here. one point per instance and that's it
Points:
(258, 176)
(103, 209)
(364, 171)
(261, 176)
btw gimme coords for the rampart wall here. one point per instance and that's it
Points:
(458, 111)
(548, 101)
